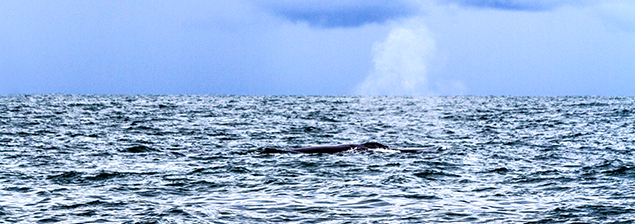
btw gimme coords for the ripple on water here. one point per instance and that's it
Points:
(195, 159)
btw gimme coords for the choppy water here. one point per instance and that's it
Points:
(194, 159)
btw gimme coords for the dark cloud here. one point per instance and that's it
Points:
(343, 13)
(505, 4)
(354, 13)
(515, 5)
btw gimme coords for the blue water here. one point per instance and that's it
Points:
(195, 159)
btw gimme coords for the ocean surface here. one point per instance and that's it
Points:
(196, 159)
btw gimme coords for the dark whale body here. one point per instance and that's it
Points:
(331, 149)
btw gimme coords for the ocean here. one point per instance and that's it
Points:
(197, 159)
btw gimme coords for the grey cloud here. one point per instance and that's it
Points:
(351, 13)
(355, 13)
(505, 5)
(515, 5)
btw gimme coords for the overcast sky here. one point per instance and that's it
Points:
(315, 47)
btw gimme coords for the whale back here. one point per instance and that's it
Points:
(375, 145)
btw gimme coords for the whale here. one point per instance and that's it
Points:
(332, 149)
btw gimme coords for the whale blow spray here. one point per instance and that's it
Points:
(401, 63)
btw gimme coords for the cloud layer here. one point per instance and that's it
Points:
(345, 13)
(316, 47)
(515, 5)
(355, 13)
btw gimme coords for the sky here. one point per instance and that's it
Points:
(316, 47)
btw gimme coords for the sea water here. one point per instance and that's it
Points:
(196, 159)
